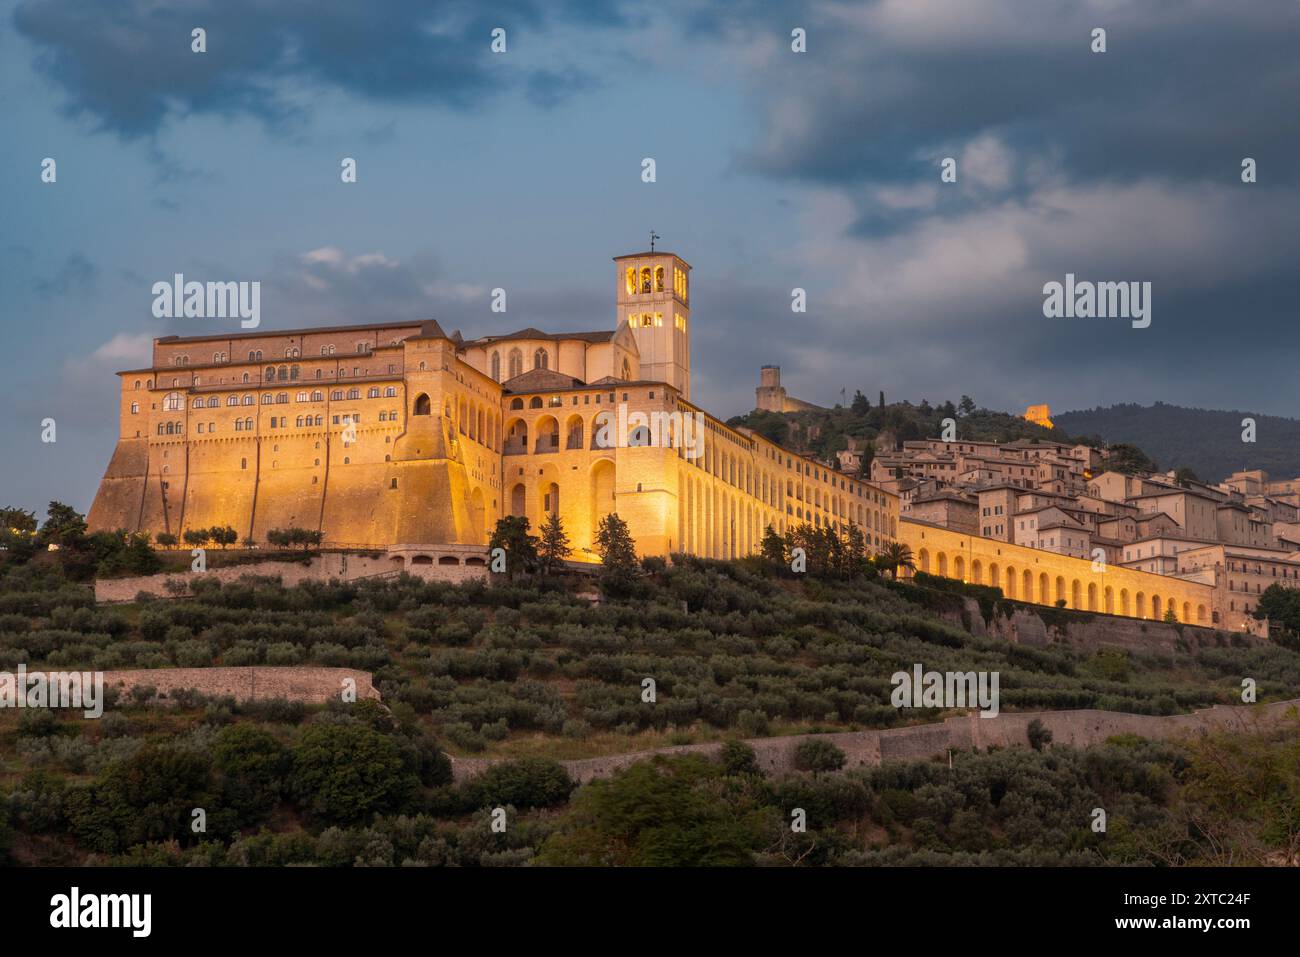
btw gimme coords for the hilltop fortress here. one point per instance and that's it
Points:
(399, 434)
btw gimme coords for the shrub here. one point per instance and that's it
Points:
(818, 754)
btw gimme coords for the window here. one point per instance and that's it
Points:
(282, 397)
(373, 392)
(496, 366)
(135, 407)
(327, 350)
(516, 363)
(336, 395)
(354, 393)
(198, 404)
(421, 405)
(390, 392)
(540, 359)
(173, 402)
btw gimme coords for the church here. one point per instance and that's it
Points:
(393, 435)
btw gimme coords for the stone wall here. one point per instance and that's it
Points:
(960, 733)
(310, 685)
(1038, 628)
(341, 566)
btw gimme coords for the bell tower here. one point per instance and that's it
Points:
(654, 301)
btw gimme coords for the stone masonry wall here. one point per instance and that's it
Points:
(960, 733)
(309, 685)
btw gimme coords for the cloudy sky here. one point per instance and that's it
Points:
(775, 170)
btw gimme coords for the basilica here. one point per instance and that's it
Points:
(400, 434)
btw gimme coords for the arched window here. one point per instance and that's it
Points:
(298, 421)
(390, 392)
(627, 368)
(496, 368)
(540, 359)
(372, 392)
(516, 403)
(516, 363)
(171, 429)
(248, 400)
(173, 402)
(317, 396)
(294, 371)
(198, 403)
(301, 397)
(631, 280)
(645, 279)
(248, 425)
(535, 402)
(239, 425)
(244, 378)
(659, 279)
(232, 400)
(135, 407)
(421, 405)
(354, 393)
(283, 373)
(336, 395)
(214, 402)
(282, 397)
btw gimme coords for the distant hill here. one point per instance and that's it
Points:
(1205, 440)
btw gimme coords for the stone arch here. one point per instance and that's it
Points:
(995, 578)
(1028, 591)
(1060, 589)
(959, 568)
(1011, 581)
(1092, 596)
(923, 560)
(602, 492)
(1155, 607)
(1109, 598)
(547, 430)
(573, 432)
(941, 564)
(516, 437)
(1141, 604)
(421, 406)
(976, 572)
(1200, 614)
(1044, 589)
(1076, 594)
(519, 500)
(1187, 612)
(1123, 601)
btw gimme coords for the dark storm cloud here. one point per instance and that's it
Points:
(1184, 90)
(129, 65)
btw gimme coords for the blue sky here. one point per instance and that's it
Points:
(775, 170)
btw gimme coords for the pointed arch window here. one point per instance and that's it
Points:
(540, 359)
(516, 363)
(496, 366)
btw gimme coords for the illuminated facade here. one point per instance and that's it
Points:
(393, 434)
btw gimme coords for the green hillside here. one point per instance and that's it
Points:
(1208, 441)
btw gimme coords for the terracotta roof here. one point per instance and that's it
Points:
(271, 333)
(532, 333)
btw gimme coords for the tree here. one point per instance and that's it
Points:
(893, 556)
(1129, 459)
(618, 555)
(64, 526)
(1170, 616)
(345, 773)
(967, 405)
(223, 535)
(253, 766)
(773, 547)
(18, 520)
(196, 537)
(1038, 734)
(1184, 476)
(554, 547)
(165, 539)
(511, 536)
(860, 405)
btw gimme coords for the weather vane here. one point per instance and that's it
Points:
(653, 236)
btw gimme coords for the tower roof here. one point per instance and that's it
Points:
(653, 252)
